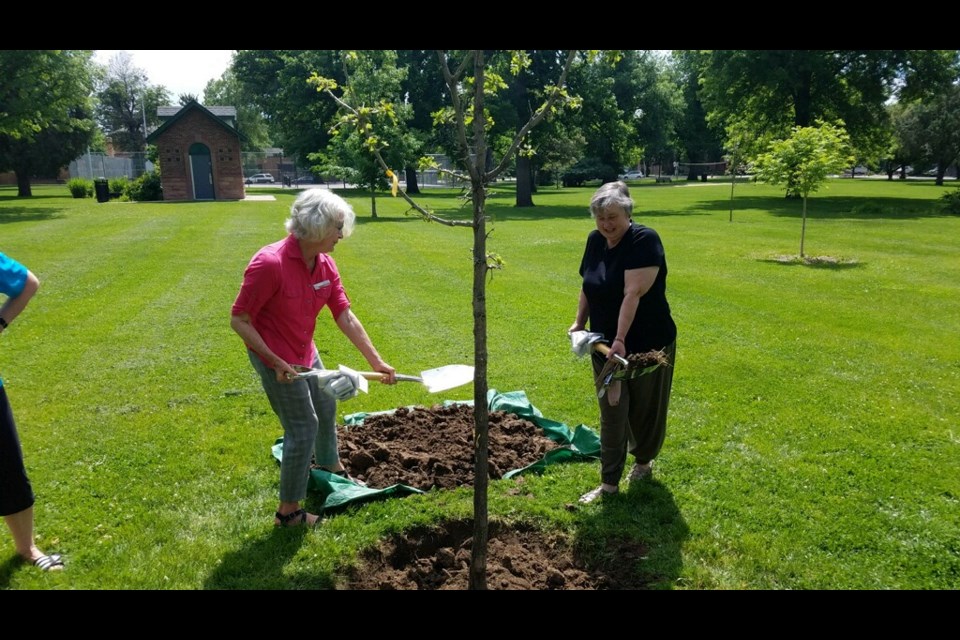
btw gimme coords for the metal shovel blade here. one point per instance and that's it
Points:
(446, 377)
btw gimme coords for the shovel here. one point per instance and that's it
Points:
(435, 380)
(583, 342)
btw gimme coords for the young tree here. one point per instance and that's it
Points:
(469, 81)
(556, 154)
(373, 85)
(804, 160)
(774, 90)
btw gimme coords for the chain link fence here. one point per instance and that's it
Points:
(284, 169)
(99, 165)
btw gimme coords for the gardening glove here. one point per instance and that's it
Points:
(346, 384)
(582, 342)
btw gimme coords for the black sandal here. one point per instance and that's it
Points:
(50, 562)
(293, 518)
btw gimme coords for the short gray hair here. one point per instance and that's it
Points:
(611, 194)
(316, 212)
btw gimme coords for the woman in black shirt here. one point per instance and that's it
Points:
(624, 271)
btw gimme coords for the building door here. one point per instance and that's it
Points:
(201, 168)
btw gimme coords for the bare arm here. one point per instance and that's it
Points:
(243, 325)
(352, 328)
(583, 312)
(13, 306)
(636, 284)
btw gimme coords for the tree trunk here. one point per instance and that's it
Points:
(373, 203)
(412, 186)
(524, 178)
(733, 183)
(478, 558)
(803, 227)
(24, 191)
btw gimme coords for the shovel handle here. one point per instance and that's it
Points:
(604, 349)
(369, 375)
(376, 375)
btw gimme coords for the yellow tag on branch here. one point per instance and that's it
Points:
(396, 182)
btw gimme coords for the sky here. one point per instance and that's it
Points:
(179, 70)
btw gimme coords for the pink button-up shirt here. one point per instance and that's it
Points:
(283, 298)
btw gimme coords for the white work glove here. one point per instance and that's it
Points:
(582, 342)
(345, 384)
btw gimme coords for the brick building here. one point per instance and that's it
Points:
(199, 153)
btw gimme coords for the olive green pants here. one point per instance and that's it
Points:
(638, 423)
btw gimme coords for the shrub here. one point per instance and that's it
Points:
(588, 169)
(146, 188)
(119, 186)
(80, 188)
(951, 202)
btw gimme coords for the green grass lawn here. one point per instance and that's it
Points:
(813, 440)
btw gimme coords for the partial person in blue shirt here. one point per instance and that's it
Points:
(19, 284)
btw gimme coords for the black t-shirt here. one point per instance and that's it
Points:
(603, 270)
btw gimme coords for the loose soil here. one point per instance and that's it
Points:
(518, 557)
(432, 448)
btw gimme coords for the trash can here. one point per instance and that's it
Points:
(102, 189)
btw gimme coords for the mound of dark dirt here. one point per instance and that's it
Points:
(429, 448)
(518, 558)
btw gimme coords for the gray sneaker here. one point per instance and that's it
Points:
(640, 471)
(599, 492)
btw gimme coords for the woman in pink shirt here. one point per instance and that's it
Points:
(285, 286)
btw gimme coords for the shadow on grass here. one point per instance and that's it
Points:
(9, 195)
(7, 569)
(832, 208)
(641, 526)
(814, 262)
(259, 564)
(10, 214)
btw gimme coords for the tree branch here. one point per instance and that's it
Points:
(534, 119)
(452, 84)
(383, 165)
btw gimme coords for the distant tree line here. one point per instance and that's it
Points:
(632, 109)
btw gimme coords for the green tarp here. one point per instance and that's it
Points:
(579, 443)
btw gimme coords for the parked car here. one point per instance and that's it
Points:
(632, 175)
(859, 170)
(258, 178)
(304, 180)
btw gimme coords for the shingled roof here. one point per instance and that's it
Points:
(226, 117)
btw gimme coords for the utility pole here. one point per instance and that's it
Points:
(143, 105)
